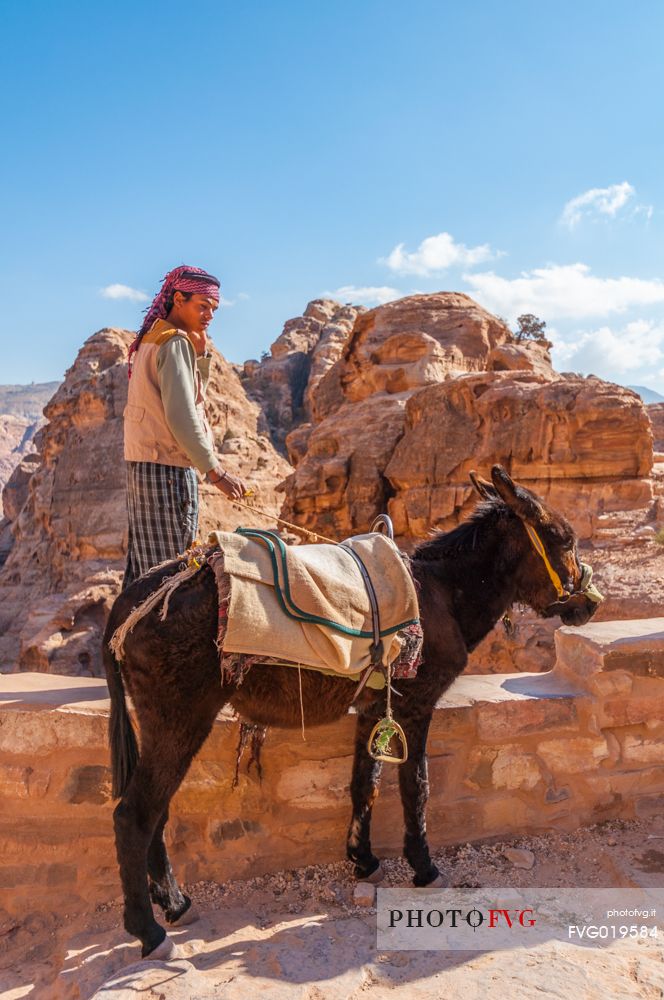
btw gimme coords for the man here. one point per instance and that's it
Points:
(166, 434)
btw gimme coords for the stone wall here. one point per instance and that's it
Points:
(508, 753)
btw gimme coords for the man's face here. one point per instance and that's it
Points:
(194, 314)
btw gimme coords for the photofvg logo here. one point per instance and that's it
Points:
(484, 919)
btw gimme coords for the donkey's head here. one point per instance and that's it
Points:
(550, 578)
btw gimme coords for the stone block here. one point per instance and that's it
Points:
(573, 755)
(520, 857)
(364, 894)
(315, 784)
(647, 806)
(38, 733)
(18, 781)
(55, 874)
(638, 749)
(639, 662)
(631, 711)
(510, 719)
(450, 821)
(610, 685)
(504, 814)
(90, 783)
(221, 833)
(14, 780)
(513, 769)
(480, 768)
(634, 646)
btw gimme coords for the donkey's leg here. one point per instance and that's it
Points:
(164, 888)
(414, 788)
(165, 759)
(363, 790)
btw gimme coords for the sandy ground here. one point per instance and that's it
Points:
(298, 935)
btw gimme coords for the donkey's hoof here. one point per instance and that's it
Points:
(440, 882)
(375, 878)
(189, 916)
(164, 952)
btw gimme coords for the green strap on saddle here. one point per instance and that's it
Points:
(278, 552)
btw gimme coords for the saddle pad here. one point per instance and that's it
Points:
(308, 603)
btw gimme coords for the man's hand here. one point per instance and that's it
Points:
(231, 486)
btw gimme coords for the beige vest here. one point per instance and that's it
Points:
(147, 436)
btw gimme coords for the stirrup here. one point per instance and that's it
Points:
(382, 735)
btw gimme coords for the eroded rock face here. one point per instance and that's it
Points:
(582, 444)
(359, 408)
(65, 564)
(527, 356)
(656, 414)
(418, 340)
(285, 383)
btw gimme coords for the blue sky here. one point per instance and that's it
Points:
(368, 149)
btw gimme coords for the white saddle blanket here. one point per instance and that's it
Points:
(308, 604)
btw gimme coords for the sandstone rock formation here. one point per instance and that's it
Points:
(656, 414)
(69, 536)
(359, 411)
(429, 387)
(285, 382)
(583, 444)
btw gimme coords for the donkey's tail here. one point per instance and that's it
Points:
(121, 735)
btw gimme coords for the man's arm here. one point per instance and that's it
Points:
(175, 372)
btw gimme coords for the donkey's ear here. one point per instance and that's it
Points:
(485, 489)
(521, 500)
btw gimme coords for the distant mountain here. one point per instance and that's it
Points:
(647, 395)
(26, 401)
(20, 418)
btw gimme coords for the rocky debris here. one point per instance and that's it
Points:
(364, 894)
(519, 857)
(68, 511)
(285, 382)
(147, 979)
(294, 934)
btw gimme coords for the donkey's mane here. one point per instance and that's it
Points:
(463, 538)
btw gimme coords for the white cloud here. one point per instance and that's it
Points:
(562, 291)
(367, 295)
(597, 201)
(631, 353)
(123, 292)
(225, 303)
(435, 254)
(243, 295)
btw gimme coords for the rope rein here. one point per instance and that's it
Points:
(314, 536)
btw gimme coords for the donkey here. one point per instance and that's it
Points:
(466, 578)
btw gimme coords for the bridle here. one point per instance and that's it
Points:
(586, 588)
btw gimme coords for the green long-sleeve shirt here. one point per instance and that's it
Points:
(176, 372)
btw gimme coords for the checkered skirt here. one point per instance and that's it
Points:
(162, 508)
